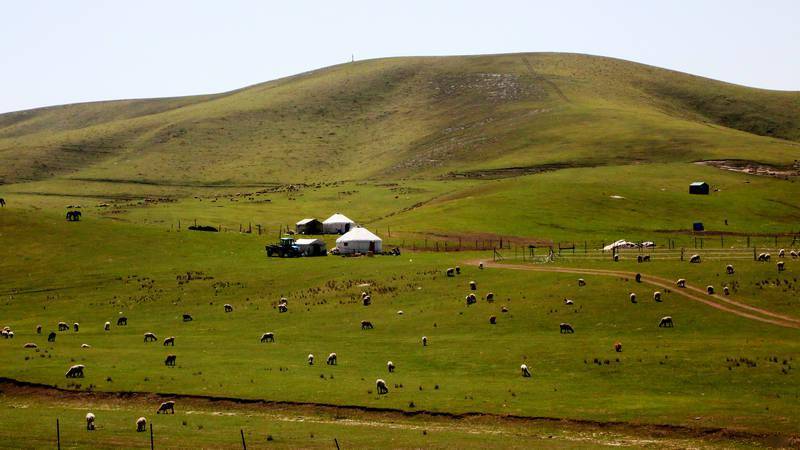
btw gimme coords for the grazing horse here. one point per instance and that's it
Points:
(170, 361)
(666, 322)
(566, 328)
(168, 406)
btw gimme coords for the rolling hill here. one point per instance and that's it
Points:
(418, 117)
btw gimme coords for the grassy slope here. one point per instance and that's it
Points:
(408, 116)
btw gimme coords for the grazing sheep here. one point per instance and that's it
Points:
(657, 296)
(617, 347)
(187, 318)
(86, 346)
(581, 282)
(51, 337)
(781, 266)
(633, 297)
(638, 278)
(480, 265)
(710, 290)
(493, 320)
(568, 301)
(471, 299)
(381, 386)
(666, 322)
(525, 371)
(794, 254)
(150, 337)
(331, 361)
(473, 286)
(75, 371)
(30, 345)
(781, 253)
(169, 341)
(38, 329)
(763, 257)
(390, 366)
(504, 309)
(10, 335)
(639, 258)
(282, 308)
(170, 360)
(141, 424)
(283, 301)
(451, 272)
(168, 406)
(75, 326)
(726, 291)
(89, 421)
(729, 269)
(681, 283)
(122, 321)
(366, 300)
(646, 258)
(268, 337)
(400, 312)
(62, 326)
(566, 328)
(107, 326)
(228, 307)
(490, 297)
(695, 259)
(424, 341)
(616, 258)
(4, 333)
(458, 270)
(366, 325)
(310, 359)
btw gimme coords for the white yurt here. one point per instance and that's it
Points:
(359, 240)
(337, 224)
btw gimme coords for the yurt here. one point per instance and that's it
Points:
(337, 224)
(359, 240)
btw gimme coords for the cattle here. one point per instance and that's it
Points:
(282, 308)
(568, 302)
(310, 359)
(480, 265)
(616, 257)
(170, 360)
(166, 407)
(30, 345)
(646, 258)
(566, 328)
(458, 270)
(763, 257)
(366, 325)
(639, 258)
(666, 322)
(781, 253)
(381, 386)
(268, 337)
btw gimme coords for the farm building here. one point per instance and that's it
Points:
(699, 187)
(359, 240)
(311, 247)
(308, 226)
(337, 224)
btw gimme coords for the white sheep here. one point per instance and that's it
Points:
(424, 341)
(695, 259)
(490, 297)
(681, 283)
(141, 424)
(726, 291)
(710, 290)
(781, 266)
(581, 282)
(30, 345)
(633, 297)
(381, 386)
(480, 265)
(568, 301)
(86, 346)
(331, 361)
(729, 269)
(525, 371)
(310, 359)
(400, 313)
(781, 253)
(89, 421)
(75, 371)
(107, 326)
(657, 296)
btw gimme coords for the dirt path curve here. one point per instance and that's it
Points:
(690, 292)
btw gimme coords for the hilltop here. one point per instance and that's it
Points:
(418, 117)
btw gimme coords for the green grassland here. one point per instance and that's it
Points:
(525, 148)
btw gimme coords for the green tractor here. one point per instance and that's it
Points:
(286, 248)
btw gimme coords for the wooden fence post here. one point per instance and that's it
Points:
(244, 445)
(58, 434)
(152, 445)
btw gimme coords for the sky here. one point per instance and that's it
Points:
(57, 52)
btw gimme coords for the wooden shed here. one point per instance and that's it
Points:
(699, 188)
(308, 226)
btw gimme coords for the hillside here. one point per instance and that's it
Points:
(425, 117)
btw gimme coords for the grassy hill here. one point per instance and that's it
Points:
(422, 117)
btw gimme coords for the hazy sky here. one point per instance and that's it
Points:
(54, 52)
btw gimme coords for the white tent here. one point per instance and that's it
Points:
(337, 224)
(359, 240)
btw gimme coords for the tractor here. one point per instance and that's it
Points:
(286, 248)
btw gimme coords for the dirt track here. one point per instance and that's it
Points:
(691, 292)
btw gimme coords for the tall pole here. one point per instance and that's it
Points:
(58, 434)
(244, 445)
(151, 436)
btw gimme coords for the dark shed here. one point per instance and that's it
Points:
(699, 187)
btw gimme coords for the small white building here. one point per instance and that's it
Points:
(311, 247)
(359, 240)
(337, 224)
